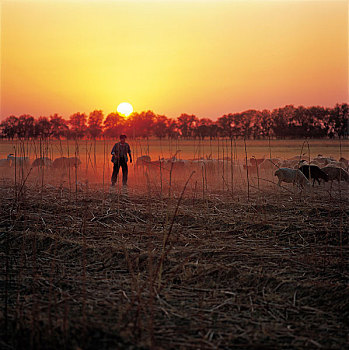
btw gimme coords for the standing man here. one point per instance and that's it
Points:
(119, 158)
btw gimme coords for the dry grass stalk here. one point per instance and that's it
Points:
(264, 268)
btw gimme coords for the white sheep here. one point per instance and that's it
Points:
(64, 162)
(5, 163)
(143, 160)
(270, 164)
(345, 162)
(322, 161)
(41, 162)
(294, 176)
(292, 163)
(336, 164)
(18, 161)
(336, 173)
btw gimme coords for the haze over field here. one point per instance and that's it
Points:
(207, 58)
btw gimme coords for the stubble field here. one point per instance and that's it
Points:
(185, 258)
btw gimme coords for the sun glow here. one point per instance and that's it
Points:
(125, 109)
(225, 57)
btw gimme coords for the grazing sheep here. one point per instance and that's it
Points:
(336, 173)
(293, 176)
(256, 161)
(18, 161)
(5, 163)
(252, 169)
(176, 163)
(344, 161)
(296, 158)
(64, 162)
(292, 163)
(313, 172)
(143, 160)
(322, 161)
(337, 164)
(319, 164)
(209, 164)
(270, 164)
(40, 162)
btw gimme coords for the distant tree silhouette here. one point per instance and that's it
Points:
(43, 128)
(95, 121)
(160, 126)
(9, 127)
(283, 122)
(265, 123)
(318, 121)
(25, 127)
(203, 128)
(59, 127)
(213, 131)
(78, 125)
(234, 125)
(186, 124)
(141, 124)
(225, 124)
(172, 129)
(114, 125)
(339, 120)
(247, 122)
(281, 118)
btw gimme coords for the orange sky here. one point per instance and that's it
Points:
(203, 57)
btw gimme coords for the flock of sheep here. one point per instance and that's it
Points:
(294, 170)
(299, 171)
(58, 163)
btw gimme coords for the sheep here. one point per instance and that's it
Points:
(18, 161)
(40, 162)
(64, 162)
(292, 163)
(143, 160)
(296, 158)
(5, 163)
(293, 176)
(315, 162)
(174, 163)
(344, 161)
(320, 160)
(256, 161)
(252, 169)
(270, 164)
(209, 164)
(313, 172)
(336, 173)
(337, 164)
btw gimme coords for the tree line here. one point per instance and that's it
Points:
(284, 122)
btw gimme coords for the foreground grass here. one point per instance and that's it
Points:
(95, 270)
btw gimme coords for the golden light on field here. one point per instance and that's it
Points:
(125, 109)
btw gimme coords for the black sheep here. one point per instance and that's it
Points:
(315, 173)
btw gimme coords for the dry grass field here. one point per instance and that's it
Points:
(194, 258)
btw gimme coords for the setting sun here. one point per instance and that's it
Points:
(210, 58)
(125, 109)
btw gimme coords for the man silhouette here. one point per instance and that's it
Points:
(119, 158)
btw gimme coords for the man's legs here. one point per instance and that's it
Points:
(124, 171)
(114, 176)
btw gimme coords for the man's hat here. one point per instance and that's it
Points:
(122, 136)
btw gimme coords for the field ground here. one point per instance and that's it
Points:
(174, 262)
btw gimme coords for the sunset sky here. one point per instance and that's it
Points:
(206, 58)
